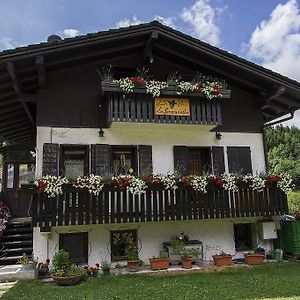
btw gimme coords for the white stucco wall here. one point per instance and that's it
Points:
(151, 236)
(162, 137)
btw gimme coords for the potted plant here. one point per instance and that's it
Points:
(187, 257)
(43, 268)
(63, 272)
(252, 258)
(26, 262)
(105, 266)
(222, 259)
(160, 263)
(132, 256)
(91, 271)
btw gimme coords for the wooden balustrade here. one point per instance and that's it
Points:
(78, 207)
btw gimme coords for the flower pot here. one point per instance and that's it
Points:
(67, 280)
(159, 263)
(133, 265)
(254, 258)
(105, 272)
(222, 260)
(43, 271)
(186, 262)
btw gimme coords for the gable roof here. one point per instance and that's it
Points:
(23, 70)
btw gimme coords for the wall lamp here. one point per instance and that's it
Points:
(218, 135)
(101, 133)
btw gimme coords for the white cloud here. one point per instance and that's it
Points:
(7, 43)
(201, 18)
(275, 43)
(127, 22)
(69, 32)
(168, 21)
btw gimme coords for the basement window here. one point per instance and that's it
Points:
(243, 237)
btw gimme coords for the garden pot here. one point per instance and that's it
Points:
(133, 265)
(106, 271)
(159, 263)
(67, 280)
(254, 258)
(222, 260)
(186, 262)
(43, 272)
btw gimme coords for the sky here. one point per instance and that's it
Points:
(266, 32)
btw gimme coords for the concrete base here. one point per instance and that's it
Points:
(15, 272)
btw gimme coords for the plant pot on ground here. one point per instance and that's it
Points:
(159, 263)
(132, 255)
(105, 266)
(254, 258)
(63, 272)
(222, 259)
(27, 263)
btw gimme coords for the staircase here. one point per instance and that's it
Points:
(16, 240)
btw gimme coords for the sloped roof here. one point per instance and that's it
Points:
(22, 70)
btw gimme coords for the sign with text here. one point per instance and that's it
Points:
(172, 107)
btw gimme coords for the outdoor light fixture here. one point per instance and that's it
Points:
(218, 135)
(101, 133)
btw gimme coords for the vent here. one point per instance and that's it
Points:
(53, 38)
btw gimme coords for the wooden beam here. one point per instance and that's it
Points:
(13, 131)
(41, 69)
(17, 124)
(18, 89)
(13, 121)
(268, 99)
(11, 115)
(10, 108)
(147, 53)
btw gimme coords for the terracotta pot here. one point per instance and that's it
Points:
(105, 271)
(159, 263)
(67, 280)
(222, 260)
(186, 262)
(254, 258)
(133, 265)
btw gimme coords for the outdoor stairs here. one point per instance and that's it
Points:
(16, 240)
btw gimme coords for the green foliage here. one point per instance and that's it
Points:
(294, 201)
(61, 260)
(284, 150)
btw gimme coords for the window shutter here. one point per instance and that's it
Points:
(218, 160)
(181, 159)
(145, 160)
(50, 159)
(101, 159)
(239, 159)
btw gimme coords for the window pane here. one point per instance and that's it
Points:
(26, 174)
(122, 161)
(10, 176)
(119, 241)
(74, 163)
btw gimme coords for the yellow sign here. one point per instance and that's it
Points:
(172, 107)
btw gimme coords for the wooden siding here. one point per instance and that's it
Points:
(78, 207)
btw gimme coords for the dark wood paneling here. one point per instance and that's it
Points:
(50, 159)
(239, 160)
(180, 159)
(218, 160)
(145, 159)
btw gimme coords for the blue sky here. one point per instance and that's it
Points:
(264, 31)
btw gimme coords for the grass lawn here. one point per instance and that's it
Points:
(272, 281)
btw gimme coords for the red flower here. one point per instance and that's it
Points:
(218, 181)
(97, 265)
(41, 185)
(217, 90)
(138, 80)
(40, 264)
(47, 260)
(86, 267)
(272, 179)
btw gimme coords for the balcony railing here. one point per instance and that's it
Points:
(78, 207)
(139, 107)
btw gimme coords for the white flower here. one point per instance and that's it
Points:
(154, 87)
(52, 184)
(199, 183)
(94, 183)
(230, 182)
(286, 183)
(125, 84)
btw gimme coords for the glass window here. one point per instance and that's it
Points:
(120, 239)
(123, 161)
(10, 176)
(74, 162)
(199, 161)
(26, 174)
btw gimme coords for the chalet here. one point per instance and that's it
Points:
(61, 116)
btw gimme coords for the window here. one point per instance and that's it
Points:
(10, 174)
(74, 161)
(198, 161)
(26, 173)
(123, 160)
(76, 244)
(119, 240)
(239, 160)
(243, 237)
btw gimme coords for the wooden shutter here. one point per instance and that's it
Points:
(101, 159)
(50, 159)
(239, 160)
(145, 160)
(218, 160)
(181, 159)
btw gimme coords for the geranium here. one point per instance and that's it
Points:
(197, 183)
(51, 185)
(92, 271)
(131, 251)
(211, 90)
(94, 183)
(273, 179)
(217, 181)
(256, 182)
(168, 180)
(134, 185)
(154, 87)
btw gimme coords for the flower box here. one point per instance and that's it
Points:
(254, 258)
(159, 263)
(222, 260)
(186, 262)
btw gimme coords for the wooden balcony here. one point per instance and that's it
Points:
(78, 207)
(139, 107)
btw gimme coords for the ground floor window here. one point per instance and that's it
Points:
(119, 240)
(243, 236)
(76, 244)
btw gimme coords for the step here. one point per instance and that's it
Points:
(12, 244)
(20, 250)
(13, 237)
(8, 260)
(8, 231)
